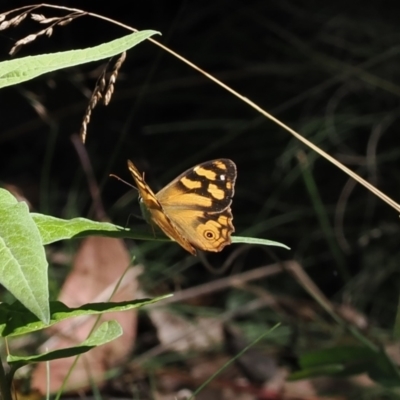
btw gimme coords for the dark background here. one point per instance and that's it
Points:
(330, 70)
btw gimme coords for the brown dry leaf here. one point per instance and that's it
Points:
(99, 264)
(178, 334)
(183, 394)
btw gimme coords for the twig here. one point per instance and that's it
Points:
(93, 186)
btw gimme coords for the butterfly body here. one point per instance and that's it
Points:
(193, 209)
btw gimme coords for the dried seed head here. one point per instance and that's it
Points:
(38, 17)
(26, 39)
(20, 19)
(23, 41)
(96, 96)
(4, 25)
(83, 131)
(108, 95)
(50, 20)
(113, 78)
(101, 83)
(17, 19)
(14, 50)
(65, 22)
(104, 90)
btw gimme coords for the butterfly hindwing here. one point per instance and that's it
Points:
(198, 201)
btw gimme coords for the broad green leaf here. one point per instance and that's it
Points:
(23, 265)
(349, 360)
(54, 229)
(326, 370)
(16, 320)
(336, 355)
(23, 69)
(6, 198)
(107, 332)
(383, 370)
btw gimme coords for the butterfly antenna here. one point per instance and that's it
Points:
(126, 183)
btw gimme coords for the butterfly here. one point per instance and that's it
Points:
(194, 209)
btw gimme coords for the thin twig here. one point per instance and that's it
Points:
(256, 107)
(93, 186)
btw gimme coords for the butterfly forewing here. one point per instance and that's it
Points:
(146, 194)
(208, 186)
(156, 211)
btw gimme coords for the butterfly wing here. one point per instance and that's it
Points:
(198, 201)
(155, 209)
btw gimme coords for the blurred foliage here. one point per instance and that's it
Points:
(328, 70)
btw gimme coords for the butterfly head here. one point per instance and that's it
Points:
(144, 210)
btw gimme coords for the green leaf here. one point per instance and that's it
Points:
(263, 242)
(337, 355)
(54, 229)
(17, 320)
(349, 360)
(6, 198)
(340, 361)
(23, 265)
(107, 332)
(383, 371)
(326, 370)
(23, 69)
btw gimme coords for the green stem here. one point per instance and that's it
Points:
(199, 389)
(323, 218)
(396, 329)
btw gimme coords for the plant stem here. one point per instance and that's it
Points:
(5, 385)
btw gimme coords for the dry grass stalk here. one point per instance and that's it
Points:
(12, 22)
(21, 10)
(103, 90)
(41, 19)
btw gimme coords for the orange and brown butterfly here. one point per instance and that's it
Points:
(195, 208)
